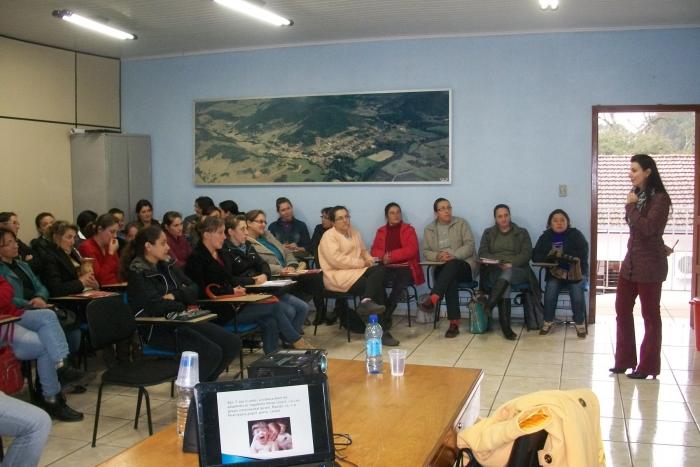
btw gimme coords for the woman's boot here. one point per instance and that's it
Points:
(504, 319)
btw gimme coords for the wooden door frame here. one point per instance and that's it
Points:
(598, 109)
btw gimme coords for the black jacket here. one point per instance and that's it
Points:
(244, 264)
(147, 285)
(575, 244)
(58, 272)
(205, 270)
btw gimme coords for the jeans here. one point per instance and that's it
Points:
(576, 293)
(283, 325)
(38, 335)
(29, 425)
(262, 315)
(296, 310)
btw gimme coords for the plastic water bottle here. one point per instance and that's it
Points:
(187, 378)
(373, 345)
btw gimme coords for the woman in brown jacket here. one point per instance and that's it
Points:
(643, 270)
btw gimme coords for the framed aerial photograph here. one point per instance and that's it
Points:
(388, 137)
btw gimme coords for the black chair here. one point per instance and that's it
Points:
(410, 293)
(110, 321)
(467, 287)
(327, 294)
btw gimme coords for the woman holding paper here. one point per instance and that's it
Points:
(643, 270)
(561, 239)
(156, 288)
(396, 243)
(210, 263)
(511, 247)
(448, 240)
(280, 259)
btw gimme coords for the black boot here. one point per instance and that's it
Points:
(496, 293)
(57, 408)
(504, 319)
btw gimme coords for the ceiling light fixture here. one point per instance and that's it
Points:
(549, 4)
(256, 12)
(93, 25)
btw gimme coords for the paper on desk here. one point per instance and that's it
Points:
(276, 283)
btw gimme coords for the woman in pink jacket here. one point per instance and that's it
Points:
(349, 268)
(396, 243)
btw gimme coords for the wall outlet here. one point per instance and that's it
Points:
(562, 191)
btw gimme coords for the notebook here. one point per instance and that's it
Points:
(265, 422)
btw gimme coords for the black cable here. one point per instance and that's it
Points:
(341, 441)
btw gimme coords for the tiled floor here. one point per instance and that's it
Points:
(644, 423)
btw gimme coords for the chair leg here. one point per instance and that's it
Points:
(240, 363)
(2, 451)
(148, 412)
(97, 415)
(436, 313)
(138, 408)
(172, 387)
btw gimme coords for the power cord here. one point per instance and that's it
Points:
(341, 441)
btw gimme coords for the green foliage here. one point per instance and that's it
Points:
(661, 133)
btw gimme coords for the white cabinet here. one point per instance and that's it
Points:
(110, 170)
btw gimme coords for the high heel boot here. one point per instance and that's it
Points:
(504, 319)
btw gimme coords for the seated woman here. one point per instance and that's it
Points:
(319, 230)
(450, 241)
(562, 239)
(511, 246)
(28, 289)
(82, 221)
(62, 263)
(349, 268)
(28, 425)
(144, 213)
(38, 336)
(42, 242)
(10, 221)
(210, 264)
(281, 260)
(180, 248)
(396, 244)
(156, 288)
(102, 246)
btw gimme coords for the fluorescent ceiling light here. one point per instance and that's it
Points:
(82, 21)
(256, 12)
(551, 4)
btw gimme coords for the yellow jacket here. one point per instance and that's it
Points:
(571, 419)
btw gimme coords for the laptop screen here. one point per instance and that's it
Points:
(282, 420)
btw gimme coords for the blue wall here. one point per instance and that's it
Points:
(521, 114)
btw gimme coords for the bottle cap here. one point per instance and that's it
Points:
(372, 319)
(188, 375)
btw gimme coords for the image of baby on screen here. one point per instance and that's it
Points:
(270, 435)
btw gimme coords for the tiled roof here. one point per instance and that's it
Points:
(677, 172)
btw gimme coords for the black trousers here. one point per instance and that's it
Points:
(310, 284)
(216, 347)
(371, 285)
(447, 277)
(400, 279)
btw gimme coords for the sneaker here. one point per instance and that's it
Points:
(59, 410)
(580, 331)
(367, 308)
(452, 331)
(389, 340)
(546, 327)
(427, 305)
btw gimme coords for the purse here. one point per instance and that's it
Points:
(478, 321)
(572, 274)
(66, 318)
(11, 378)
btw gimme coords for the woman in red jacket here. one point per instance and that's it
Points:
(396, 243)
(643, 270)
(102, 247)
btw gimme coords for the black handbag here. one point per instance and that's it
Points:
(67, 318)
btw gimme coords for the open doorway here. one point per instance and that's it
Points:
(669, 135)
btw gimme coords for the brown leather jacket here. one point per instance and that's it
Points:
(646, 256)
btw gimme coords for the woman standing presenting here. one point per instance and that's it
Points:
(643, 270)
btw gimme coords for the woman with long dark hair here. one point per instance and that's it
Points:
(209, 265)
(180, 248)
(144, 213)
(156, 288)
(643, 270)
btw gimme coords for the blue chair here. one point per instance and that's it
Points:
(241, 330)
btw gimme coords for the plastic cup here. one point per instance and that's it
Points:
(188, 374)
(397, 357)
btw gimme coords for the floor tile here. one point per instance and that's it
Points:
(59, 447)
(657, 410)
(662, 454)
(662, 432)
(617, 454)
(88, 456)
(631, 389)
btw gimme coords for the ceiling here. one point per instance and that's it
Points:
(175, 27)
